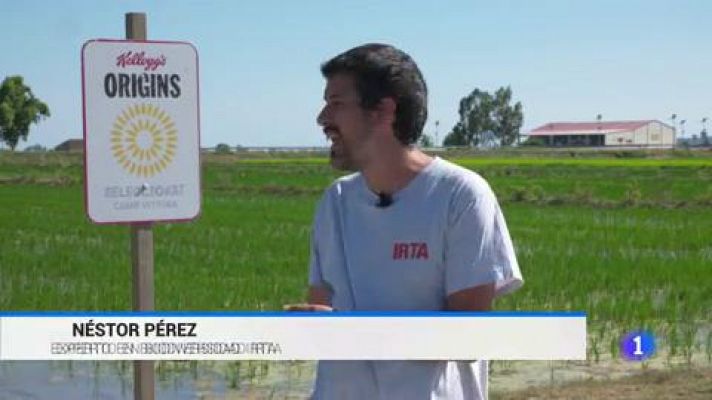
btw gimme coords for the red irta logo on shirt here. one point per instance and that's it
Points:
(410, 251)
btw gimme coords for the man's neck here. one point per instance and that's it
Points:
(392, 170)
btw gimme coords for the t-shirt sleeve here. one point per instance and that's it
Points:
(478, 248)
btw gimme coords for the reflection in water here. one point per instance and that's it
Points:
(179, 380)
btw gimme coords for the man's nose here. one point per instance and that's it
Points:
(321, 118)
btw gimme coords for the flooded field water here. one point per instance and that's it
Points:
(286, 380)
(184, 380)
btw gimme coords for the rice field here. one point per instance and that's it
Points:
(627, 240)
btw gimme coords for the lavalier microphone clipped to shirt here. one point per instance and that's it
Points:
(384, 200)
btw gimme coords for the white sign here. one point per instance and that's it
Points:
(292, 337)
(141, 131)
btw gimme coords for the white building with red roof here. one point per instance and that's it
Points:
(646, 133)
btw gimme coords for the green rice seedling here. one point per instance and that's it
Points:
(689, 333)
(252, 374)
(193, 369)
(596, 341)
(233, 375)
(633, 195)
(672, 339)
(614, 344)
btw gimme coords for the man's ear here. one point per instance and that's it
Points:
(386, 110)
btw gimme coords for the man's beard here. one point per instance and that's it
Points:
(340, 160)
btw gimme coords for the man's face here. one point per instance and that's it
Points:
(345, 123)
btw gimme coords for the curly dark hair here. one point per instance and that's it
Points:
(380, 71)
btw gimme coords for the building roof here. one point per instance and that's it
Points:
(589, 128)
(71, 144)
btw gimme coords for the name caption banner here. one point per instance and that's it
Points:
(293, 336)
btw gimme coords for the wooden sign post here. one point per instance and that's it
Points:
(141, 147)
(141, 254)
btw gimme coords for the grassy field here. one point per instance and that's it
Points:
(626, 239)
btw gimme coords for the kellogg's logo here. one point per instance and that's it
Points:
(140, 59)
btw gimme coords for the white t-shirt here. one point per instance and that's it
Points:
(443, 233)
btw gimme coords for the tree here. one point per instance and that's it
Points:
(506, 119)
(35, 148)
(425, 141)
(534, 141)
(223, 148)
(475, 110)
(481, 112)
(456, 137)
(19, 108)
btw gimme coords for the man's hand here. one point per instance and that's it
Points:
(477, 298)
(318, 299)
(307, 307)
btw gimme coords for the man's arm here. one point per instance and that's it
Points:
(476, 298)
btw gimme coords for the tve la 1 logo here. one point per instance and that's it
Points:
(141, 131)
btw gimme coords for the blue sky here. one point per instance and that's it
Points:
(259, 60)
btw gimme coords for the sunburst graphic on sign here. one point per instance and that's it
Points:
(143, 140)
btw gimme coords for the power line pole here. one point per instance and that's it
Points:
(437, 123)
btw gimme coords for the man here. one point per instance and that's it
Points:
(405, 232)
